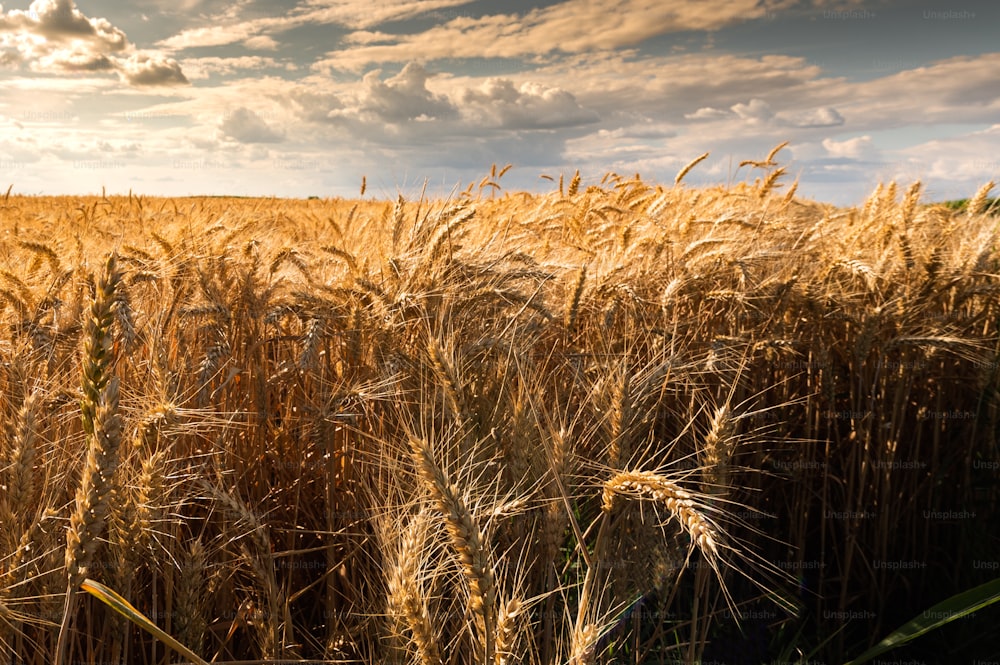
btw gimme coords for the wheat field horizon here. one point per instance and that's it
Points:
(622, 422)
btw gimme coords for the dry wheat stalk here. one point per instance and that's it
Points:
(909, 203)
(583, 645)
(790, 194)
(977, 203)
(769, 160)
(274, 631)
(651, 485)
(620, 419)
(21, 484)
(192, 589)
(147, 498)
(447, 375)
(103, 427)
(769, 182)
(507, 619)
(718, 450)
(574, 184)
(554, 520)
(873, 204)
(687, 169)
(573, 305)
(406, 598)
(466, 541)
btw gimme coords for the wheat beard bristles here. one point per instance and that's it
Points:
(466, 540)
(507, 631)
(21, 486)
(103, 428)
(646, 484)
(584, 645)
(406, 601)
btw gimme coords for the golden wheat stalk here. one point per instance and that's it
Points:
(687, 169)
(573, 305)
(680, 503)
(21, 472)
(406, 600)
(583, 644)
(103, 427)
(466, 541)
(977, 203)
(717, 450)
(507, 619)
(769, 182)
(124, 608)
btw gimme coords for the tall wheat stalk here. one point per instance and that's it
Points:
(103, 428)
(467, 543)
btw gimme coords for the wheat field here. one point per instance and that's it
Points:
(626, 422)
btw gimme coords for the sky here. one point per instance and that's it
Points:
(297, 98)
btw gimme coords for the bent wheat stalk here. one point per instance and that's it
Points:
(647, 484)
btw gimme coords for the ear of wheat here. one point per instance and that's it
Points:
(103, 427)
(467, 543)
(680, 503)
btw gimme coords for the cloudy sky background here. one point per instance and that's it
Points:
(304, 97)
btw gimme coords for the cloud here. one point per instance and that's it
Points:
(76, 59)
(144, 69)
(361, 14)
(860, 148)
(969, 158)
(245, 126)
(826, 116)
(499, 103)
(355, 14)
(400, 98)
(572, 26)
(758, 112)
(955, 90)
(202, 68)
(314, 106)
(54, 36)
(708, 113)
(755, 113)
(261, 43)
(61, 21)
(216, 35)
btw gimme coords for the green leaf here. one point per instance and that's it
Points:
(944, 612)
(122, 606)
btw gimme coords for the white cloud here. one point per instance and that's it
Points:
(55, 37)
(202, 68)
(261, 43)
(75, 59)
(245, 126)
(143, 69)
(707, 113)
(860, 147)
(572, 26)
(61, 21)
(754, 113)
(826, 116)
(401, 98)
(499, 103)
(356, 14)
(215, 35)
(969, 158)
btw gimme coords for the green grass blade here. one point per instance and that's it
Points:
(944, 612)
(122, 606)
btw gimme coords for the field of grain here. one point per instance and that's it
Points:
(625, 423)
